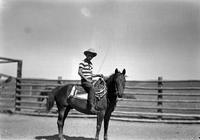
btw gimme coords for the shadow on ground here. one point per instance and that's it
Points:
(55, 137)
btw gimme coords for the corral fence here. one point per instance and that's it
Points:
(147, 101)
(8, 87)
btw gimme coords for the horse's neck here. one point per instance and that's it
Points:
(112, 100)
(111, 89)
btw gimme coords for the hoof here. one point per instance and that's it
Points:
(105, 138)
(61, 137)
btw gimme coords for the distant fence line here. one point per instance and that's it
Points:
(148, 101)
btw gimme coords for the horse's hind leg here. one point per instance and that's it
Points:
(62, 114)
(60, 122)
(66, 112)
(100, 118)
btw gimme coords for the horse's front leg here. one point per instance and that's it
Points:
(106, 123)
(100, 117)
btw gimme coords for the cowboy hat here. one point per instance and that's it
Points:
(90, 51)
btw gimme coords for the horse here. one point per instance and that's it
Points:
(115, 84)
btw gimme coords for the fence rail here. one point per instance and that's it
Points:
(154, 101)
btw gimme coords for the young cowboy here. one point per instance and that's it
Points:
(86, 74)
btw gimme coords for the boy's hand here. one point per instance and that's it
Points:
(101, 75)
(88, 80)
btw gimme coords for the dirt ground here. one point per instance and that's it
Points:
(22, 127)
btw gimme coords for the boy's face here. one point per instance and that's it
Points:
(89, 56)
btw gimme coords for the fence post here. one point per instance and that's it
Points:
(19, 69)
(18, 86)
(160, 96)
(60, 80)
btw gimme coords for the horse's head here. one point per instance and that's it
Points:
(119, 82)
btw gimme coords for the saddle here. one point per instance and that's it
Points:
(99, 86)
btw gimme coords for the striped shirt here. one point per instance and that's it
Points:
(86, 69)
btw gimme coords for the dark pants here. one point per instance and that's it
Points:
(89, 88)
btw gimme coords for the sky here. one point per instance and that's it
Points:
(148, 38)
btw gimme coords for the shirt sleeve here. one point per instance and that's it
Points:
(81, 65)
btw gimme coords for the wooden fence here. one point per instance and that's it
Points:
(8, 87)
(148, 101)
(7, 94)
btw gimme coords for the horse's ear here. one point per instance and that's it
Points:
(124, 72)
(116, 70)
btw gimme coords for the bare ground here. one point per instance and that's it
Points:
(22, 127)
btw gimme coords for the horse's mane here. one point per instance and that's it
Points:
(110, 82)
(110, 79)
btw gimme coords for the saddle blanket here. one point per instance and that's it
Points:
(74, 92)
(99, 86)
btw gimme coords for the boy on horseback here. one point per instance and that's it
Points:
(86, 74)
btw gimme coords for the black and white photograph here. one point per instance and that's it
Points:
(99, 70)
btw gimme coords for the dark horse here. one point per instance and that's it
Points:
(115, 87)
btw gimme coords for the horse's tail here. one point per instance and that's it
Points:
(51, 99)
